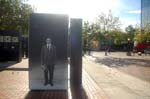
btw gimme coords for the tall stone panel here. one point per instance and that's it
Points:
(55, 27)
(76, 52)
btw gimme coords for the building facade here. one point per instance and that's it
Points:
(145, 15)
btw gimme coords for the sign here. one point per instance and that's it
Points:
(15, 39)
(7, 39)
(1, 39)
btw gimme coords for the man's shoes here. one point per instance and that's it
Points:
(51, 83)
(45, 83)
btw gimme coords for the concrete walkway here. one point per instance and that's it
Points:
(99, 81)
(114, 83)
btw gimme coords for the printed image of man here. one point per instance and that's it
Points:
(48, 59)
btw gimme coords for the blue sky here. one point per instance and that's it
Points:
(127, 10)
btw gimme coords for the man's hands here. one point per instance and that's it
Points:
(43, 67)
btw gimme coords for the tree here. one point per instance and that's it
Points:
(146, 28)
(14, 15)
(101, 29)
(130, 31)
(118, 37)
(108, 22)
(142, 37)
(86, 30)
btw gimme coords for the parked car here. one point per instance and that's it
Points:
(141, 47)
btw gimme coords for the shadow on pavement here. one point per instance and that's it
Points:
(138, 68)
(79, 93)
(47, 94)
(118, 62)
(14, 69)
(7, 64)
(57, 94)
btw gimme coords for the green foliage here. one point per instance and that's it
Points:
(101, 29)
(142, 37)
(131, 32)
(118, 37)
(146, 28)
(14, 15)
(106, 29)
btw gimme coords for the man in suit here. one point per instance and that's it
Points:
(48, 59)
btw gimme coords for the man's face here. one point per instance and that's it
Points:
(48, 41)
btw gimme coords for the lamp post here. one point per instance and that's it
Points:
(129, 47)
(107, 44)
(147, 42)
(148, 46)
(88, 42)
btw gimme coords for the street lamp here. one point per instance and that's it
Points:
(128, 39)
(129, 47)
(88, 41)
(108, 44)
(147, 41)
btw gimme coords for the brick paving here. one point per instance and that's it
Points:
(93, 91)
(14, 85)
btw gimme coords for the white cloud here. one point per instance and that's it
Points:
(135, 11)
(86, 9)
(128, 21)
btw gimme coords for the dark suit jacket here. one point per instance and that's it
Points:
(48, 56)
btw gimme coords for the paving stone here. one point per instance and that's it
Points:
(14, 85)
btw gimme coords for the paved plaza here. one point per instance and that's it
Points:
(14, 85)
(120, 76)
(115, 76)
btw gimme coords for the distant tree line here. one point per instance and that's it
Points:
(14, 15)
(106, 29)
